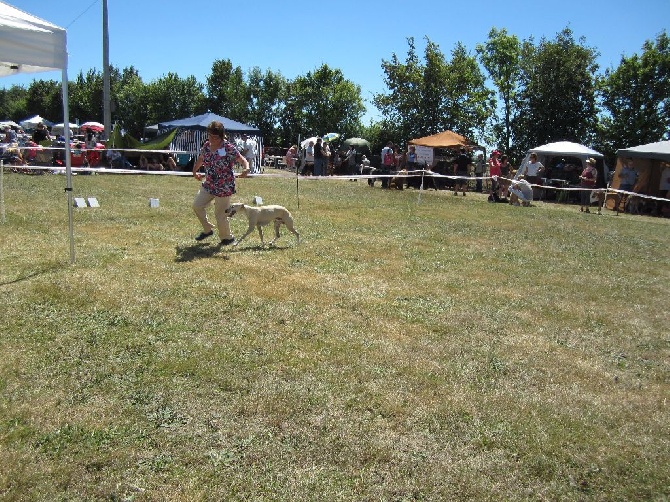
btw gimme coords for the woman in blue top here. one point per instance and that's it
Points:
(218, 157)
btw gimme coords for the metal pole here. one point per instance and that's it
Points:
(2, 189)
(297, 176)
(68, 163)
(106, 90)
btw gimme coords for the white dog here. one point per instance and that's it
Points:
(263, 215)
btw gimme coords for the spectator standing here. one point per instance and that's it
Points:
(91, 139)
(249, 152)
(291, 156)
(479, 171)
(461, 170)
(326, 157)
(350, 159)
(388, 162)
(587, 180)
(503, 181)
(494, 172)
(309, 159)
(533, 169)
(411, 158)
(319, 158)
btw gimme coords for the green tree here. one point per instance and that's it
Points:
(324, 101)
(85, 96)
(636, 98)
(557, 99)
(132, 103)
(13, 103)
(501, 56)
(170, 97)
(435, 95)
(402, 106)
(265, 93)
(45, 98)
(227, 91)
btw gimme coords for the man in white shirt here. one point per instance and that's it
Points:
(249, 152)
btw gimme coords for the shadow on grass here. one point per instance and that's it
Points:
(196, 251)
(202, 250)
(30, 275)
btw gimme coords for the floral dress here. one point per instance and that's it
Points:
(218, 164)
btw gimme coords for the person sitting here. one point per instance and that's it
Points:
(521, 192)
(41, 133)
(10, 135)
(168, 163)
(144, 163)
(154, 165)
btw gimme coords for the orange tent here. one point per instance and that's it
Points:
(445, 139)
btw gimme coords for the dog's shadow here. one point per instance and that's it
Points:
(202, 250)
(259, 247)
(195, 252)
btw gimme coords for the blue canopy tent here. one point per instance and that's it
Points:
(202, 121)
(192, 132)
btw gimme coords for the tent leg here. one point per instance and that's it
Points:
(2, 191)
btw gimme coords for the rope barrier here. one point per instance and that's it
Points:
(423, 173)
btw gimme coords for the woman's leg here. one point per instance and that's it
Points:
(200, 203)
(220, 206)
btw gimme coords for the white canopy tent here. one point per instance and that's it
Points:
(59, 129)
(29, 44)
(33, 122)
(648, 160)
(562, 149)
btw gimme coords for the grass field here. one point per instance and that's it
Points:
(412, 347)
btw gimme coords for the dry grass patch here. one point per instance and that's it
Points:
(440, 349)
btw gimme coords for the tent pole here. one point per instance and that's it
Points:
(68, 164)
(2, 190)
(297, 177)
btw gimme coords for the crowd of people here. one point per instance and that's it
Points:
(504, 183)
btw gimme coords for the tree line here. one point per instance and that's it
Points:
(508, 93)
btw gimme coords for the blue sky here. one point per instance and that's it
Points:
(295, 37)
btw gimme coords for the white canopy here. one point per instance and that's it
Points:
(30, 44)
(563, 149)
(658, 151)
(60, 128)
(566, 148)
(33, 122)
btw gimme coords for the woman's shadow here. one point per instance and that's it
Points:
(195, 252)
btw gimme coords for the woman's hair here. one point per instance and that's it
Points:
(217, 129)
(533, 155)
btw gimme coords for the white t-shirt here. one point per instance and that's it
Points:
(532, 168)
(250, 146)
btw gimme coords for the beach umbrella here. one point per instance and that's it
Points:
(357, 143)
(60, 128)
(331, 136)
(93, 126)
(304, 143)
